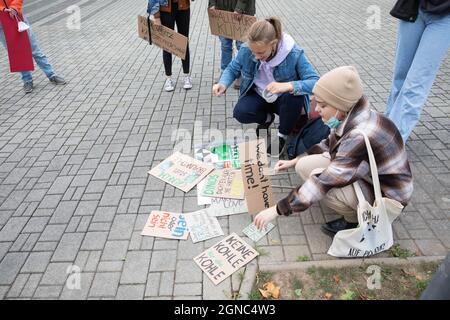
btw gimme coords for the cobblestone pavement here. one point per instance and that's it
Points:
(74, 189)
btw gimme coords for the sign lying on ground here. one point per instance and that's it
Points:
(257, 186)
(166, 225)
(223, 155)
(255, 234)
(181, 171)
(225, 257)
(163, 37)
(202, 226)
(224, 183)
(225, 207)
(229, 24)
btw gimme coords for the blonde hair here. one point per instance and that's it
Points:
(265, 31)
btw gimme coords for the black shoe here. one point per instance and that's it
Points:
(28, 87)
(333, 227)
(57, 80)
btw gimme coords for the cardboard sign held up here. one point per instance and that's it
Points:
(225, 257)
(229, 25)
(163, 37)
(181, 171)
(166, 225)
(224, 183)
(257, 186)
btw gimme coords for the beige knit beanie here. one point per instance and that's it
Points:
(340, 88)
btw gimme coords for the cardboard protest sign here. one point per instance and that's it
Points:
(166, 225)
(224, 183)
(163, 37)
(225, 257)
(222, 155)
(255, 234)
(230, 25)
(17, 44)
(202, 226)
(181, 171)
(201, 201)
(225, 207)
(257, 186)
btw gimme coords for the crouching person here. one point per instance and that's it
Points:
(277, 78)
(334, 164)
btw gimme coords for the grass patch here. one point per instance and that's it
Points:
(382, 282)
(398, 252)
(303, 258)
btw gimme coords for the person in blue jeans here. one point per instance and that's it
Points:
(277, 78)
(422, 43)
(238, 7)
(38, 56)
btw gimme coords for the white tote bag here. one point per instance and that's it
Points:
(374, 231)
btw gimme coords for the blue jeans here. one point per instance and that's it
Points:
(227, 51)
(38, 56)
(421, 47)
(252, 108)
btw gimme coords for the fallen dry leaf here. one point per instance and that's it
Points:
(270, 290)
(328, 296)
(337, 279)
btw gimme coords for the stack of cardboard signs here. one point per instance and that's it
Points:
(231, 176)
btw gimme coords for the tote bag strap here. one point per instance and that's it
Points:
(373, 169)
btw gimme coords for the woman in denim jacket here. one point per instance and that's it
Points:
(277, 78)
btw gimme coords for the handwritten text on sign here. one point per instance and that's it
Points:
(224, 258)
(166, 225)
(181, 171)
(224, 183)
(163, 37)
(257, 186)
(202, 226)
(229, 25)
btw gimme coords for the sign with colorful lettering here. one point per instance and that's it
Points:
(163, 37)
(225, 257)
(255, 234)
(223, 155)
(202, 226)
(225, 207)
(257, 186)
(224, 183)
(181, 171)
(166, 225)
(229, 24)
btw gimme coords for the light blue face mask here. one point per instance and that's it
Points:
(333, 122)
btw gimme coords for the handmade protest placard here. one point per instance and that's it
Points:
(166, 225)
(255, 234)
(181, 171)
(225, 257)
(163, 37)
(223, 155)
(224, 183)
(202, 226)
(257, 186)
(229, 24)
(225, 207)
(201, 201)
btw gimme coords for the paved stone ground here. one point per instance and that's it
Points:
(74, 189)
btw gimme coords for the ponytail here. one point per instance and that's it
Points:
(266, 31)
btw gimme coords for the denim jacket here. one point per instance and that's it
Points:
(153, 5)
(295, 68)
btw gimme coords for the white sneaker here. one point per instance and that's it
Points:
(187, 83)
(169, 85)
